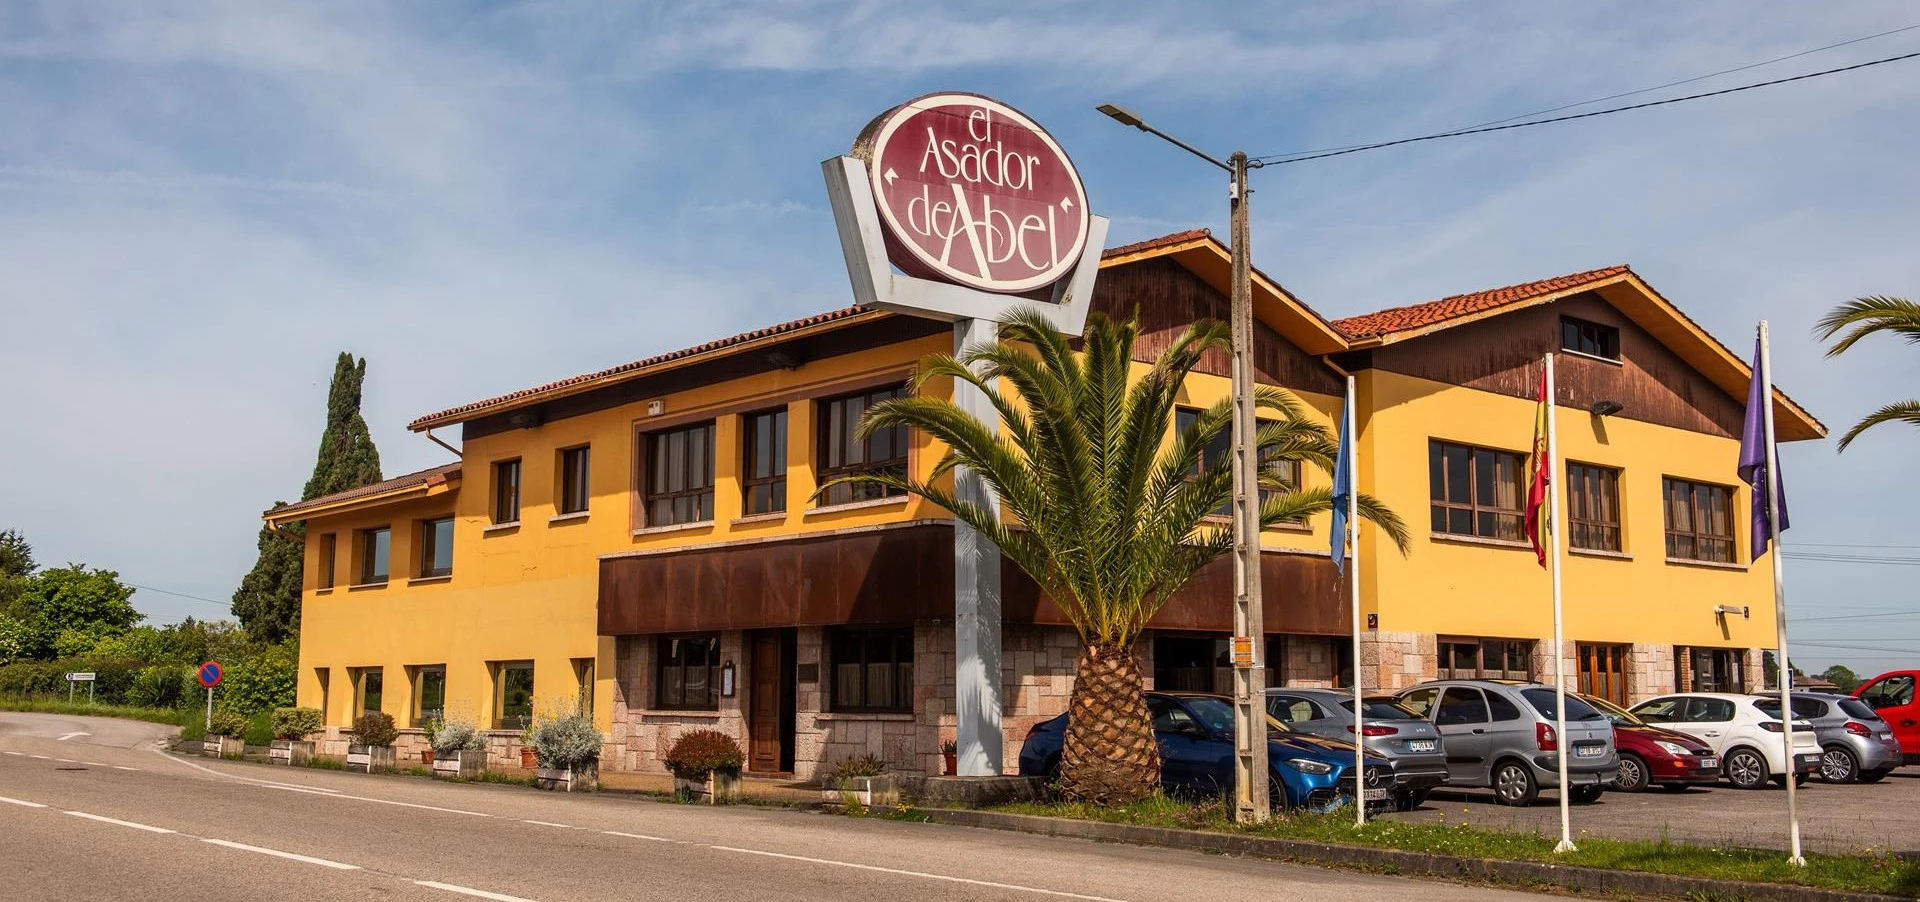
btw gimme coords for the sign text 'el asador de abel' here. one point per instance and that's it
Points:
(973, 192)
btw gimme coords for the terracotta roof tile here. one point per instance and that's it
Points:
(1418, 316)
(428, 476)
(1155, 243)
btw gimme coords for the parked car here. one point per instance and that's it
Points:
(1195, 733)
(1856, 746)
(1746, 736)
(1500, 734)
(1891, 696)
(1653, 756)
(1410, 744)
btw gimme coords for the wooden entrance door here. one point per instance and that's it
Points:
(1603, 671)
(765, 733)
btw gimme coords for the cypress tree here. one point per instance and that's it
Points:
(268, 600)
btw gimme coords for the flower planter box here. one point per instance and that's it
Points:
(717, 788)
(294, 752)
(867, 791)
(582, 777)
(370, 758)
(466, 764)
(223, 747)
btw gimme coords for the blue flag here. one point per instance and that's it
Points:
(1342, 490)
(1753, 465)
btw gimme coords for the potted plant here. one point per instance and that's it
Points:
(529, 757)
(568, 750)
(860, 780)
(224, 733)
(291, 727)
(429, 731)
(459, 750)
(372, 747)
(949, 753)
(706, 766)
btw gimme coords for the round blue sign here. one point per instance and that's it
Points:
(210, 674)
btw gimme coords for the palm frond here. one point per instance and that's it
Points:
(1866, 316)
(1900, 412)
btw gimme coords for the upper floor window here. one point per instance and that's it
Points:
(324, 579)
(376, 545)
(1593, 339)
(1593, 507)
(574, 482)
(436, 547)
(763, 468)
(1220, 447)
(680, 475)
(506, 491)
(843, 454)
(1476, 491)
(1699, 521)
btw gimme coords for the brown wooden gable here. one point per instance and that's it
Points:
(1501, 354)
(1168, 298)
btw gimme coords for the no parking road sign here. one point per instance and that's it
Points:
(210, 674)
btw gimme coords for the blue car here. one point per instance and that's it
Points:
(1195, 733)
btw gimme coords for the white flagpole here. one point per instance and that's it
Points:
(1559, 638)
(1353, 581)
(1779, 595)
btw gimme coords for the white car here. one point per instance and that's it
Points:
(1746, 737)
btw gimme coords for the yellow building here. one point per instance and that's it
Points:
(644, 542)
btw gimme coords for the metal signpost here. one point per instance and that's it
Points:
(210, 674)
(86, 677)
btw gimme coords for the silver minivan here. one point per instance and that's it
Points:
(1500, 734)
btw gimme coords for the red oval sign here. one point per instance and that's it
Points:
(974, 192)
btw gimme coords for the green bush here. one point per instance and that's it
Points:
(868, 765)
(155, 687)
(700, 752)
(193, 726)
(227, 723)
(259, 728)
(295, 723)
(375, 728)
(262, 679)
(454, 736)
(566, 741)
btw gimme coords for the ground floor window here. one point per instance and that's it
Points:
(512, 694)
(1710, 669)
(1472, 658)
(687, 672)
(1603, 671)
(1190, 663)
(324, 676)
(368, 683)
(429, 693)
(583, 683)
(872, 669)
(1309, 660)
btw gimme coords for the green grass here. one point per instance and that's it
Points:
(325, 763)
(60, 706)
(1872, 873)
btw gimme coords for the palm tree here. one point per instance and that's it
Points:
(1863, 317)
(1108, 521)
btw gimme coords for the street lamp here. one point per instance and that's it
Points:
(1249, 682)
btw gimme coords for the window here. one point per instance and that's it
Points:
(1699, 521)
(872, 669)
(324, 579)
(1593, 507)
(764, 462)
(1707, 710)
(574, 481)
(1220, 448)
(1709, 670)
(375, 546)
(1603, 671)
(1290, 709)
(1543, 700)
(1461, 705)
(429, 693)
(1419, 701)
(842, 454)
(1191, 664)
(367, 685)
(436, 547)
(506, 491)
(512, 694)
(1306, 660)
(325, 676)
(583, 684)
(1582, 337)
(680, 475)
(1485, 659)
(1476, 492)
(1891, 692)
(1661, 710)
(687, 672)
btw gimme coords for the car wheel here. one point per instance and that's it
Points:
(1633, 774)
(1837, 765)
(1745, 769)
(1276, 794)
(1875, 776)
(1586, 795)
(1513, 785)
(1411, 799)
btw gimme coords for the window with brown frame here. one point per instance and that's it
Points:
(680, 475)
(1484, 659)
(436, 548)
(1593, 507)
(506, 491)
(1699, 521)
(1592, 339)
(375, 546)
(575, 480)
(1476, 491)
(687, 672)
(1603, 671)
(842, 454)
(1221, 447)
(324, 579)
(763, 470)
(872, 669)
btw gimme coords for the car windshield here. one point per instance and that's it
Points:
(1858, 710)
(1613, 712)
(1215, 714)
(1379, 710)
(1542, 701)
(1803, 708)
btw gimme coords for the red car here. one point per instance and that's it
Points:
(1890, 695)
(1652, 756)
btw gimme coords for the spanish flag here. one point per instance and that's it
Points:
(1539, 474)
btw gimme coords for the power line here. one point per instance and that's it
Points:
(178, 594)
(1276, 159)
(1857, 617)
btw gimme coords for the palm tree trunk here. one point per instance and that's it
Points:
(1110, 756)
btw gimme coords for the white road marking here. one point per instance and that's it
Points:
(66, 761)
(124, 767)
(640, 836)
(338, 866)
(18, 754)
(548, 824)
(469, 891)
(868, 867)
(71, 735)
(41, 757)
(109, 820)
(338, 795)
(92, 764)
(21, 802)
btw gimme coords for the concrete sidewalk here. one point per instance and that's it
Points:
(779, 790)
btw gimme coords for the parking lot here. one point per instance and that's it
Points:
(1882, 817)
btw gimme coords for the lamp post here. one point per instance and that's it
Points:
(1249, 680)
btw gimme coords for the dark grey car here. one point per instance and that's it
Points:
(1500, 734)
(1408, 742)
(1856, 746)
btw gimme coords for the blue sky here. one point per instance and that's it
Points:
(201, 202)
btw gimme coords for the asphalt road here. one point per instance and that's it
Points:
(103, 814)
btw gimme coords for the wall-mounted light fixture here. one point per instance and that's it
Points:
(726, 679)
(1745, 613)
(1606, 408)
(656, 408)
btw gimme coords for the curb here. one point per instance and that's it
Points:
(1400, 862)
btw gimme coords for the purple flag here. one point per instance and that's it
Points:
(1753, 462)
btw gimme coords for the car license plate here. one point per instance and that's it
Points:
(1421, 745)
(1373, 795)
(1706, 763)
(1589, 751)
(1810, 760)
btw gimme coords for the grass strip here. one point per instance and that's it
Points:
(1861, 873)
